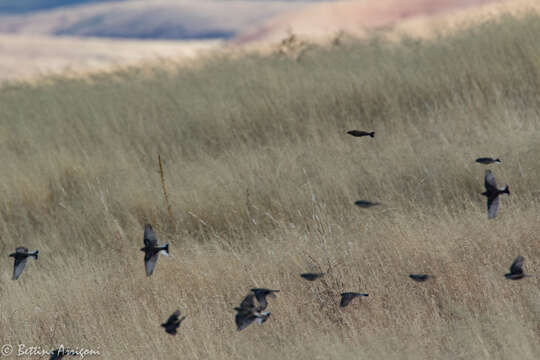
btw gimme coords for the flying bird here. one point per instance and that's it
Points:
(21, 254)
(420, 277)
(492, 193)
(516, 270)
(312, 276)
(172, 324)
(152, 249)
(360, 133)
(488, 160)
(248, 311)
(365, 204)
(347, 297)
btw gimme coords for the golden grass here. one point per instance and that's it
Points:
(30, 57)
(262, 179)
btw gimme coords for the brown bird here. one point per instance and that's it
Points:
(21, 254)
(360, 133)
(312, 276)
(347, 297)
(516, 270)
(492, 193)
(172, 324)
(152, 249)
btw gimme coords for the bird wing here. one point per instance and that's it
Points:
(150, 262)
(244, 319)
(149, 236)
(174, 317)
(248, 302)
(346, 299)
(21, 250)
(18, 267)
(490, 183)
(517, 266)
(492, 206)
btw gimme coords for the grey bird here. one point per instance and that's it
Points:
(21, 254)
(420, 277)
(360, 133)
(365, 204)
(173, 322)
(152, 249)
(516, 270)
(347, 297)
(312, 276)
(248, 311)
(492, 193)
(488, 160)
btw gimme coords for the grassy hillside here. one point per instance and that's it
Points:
(262, 179)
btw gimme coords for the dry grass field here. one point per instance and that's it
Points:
(262, 179)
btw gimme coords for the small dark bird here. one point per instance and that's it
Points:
(347, 297)
(360, 133)
(365, 204)
(488, 160)
(172, 324)
(420, 277)
(312, 276)
(152, 249)
(21, 254)
(492, 193)
(248, 311)
(516, 270)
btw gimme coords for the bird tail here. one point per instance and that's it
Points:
(506, 190)
(372, 134)
(497, 160)
(165, 249)
(35, 254)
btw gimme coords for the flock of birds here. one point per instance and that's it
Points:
(253, 306)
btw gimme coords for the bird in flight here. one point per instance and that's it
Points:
(152, 249)
(488, 160)
(365, 204)
(21, 255)
(248, 311)
(312, 276)
(173, 322)
(420, 277)
(347, 297)
(360, 133)
(492, 193)
(516, 270)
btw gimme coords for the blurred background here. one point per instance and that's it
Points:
(42, 36)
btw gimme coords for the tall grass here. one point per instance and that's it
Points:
(262, 179)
